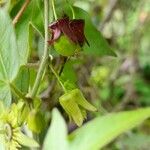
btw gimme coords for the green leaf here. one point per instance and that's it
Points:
(22, 79)
(98, 45)
(9, 58)
(102, 130)
(11, 3)
(56, 138)
(26, 141)
(36, 121)
(5, 93)
(25, 78)
(33, 16)
(69, 72)
(2, 108)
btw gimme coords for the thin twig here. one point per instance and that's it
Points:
(52, 82)
(58, 78)
(19, 14)
(45, 55)
(65, 59)
(58, 66)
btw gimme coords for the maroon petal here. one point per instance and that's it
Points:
(73, 29)
(65, 28)
(77, 26)
(55, 32)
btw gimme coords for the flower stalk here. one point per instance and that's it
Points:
(45, 55)
(54, 10)
(58, 78)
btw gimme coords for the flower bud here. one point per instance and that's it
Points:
(75, 104)
(67, 35)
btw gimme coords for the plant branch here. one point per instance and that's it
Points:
(45, 55)
(58, 78)
(60, 63)
(19, 14)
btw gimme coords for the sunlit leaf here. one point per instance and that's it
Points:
(102, 130)
(56, 137)
(27, 141)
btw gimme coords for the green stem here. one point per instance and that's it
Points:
(73, 13)
(54, 10)
(65, 59)
(16, 91)
(58, 78)
(45, 55)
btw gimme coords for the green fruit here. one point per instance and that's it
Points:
(65, 47)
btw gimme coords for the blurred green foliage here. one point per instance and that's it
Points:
(128, 84)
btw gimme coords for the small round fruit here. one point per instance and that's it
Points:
(65, 47)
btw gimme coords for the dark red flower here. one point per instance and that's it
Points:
(73, 29)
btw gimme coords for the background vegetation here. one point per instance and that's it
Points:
(111, 84)
(121, 83)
